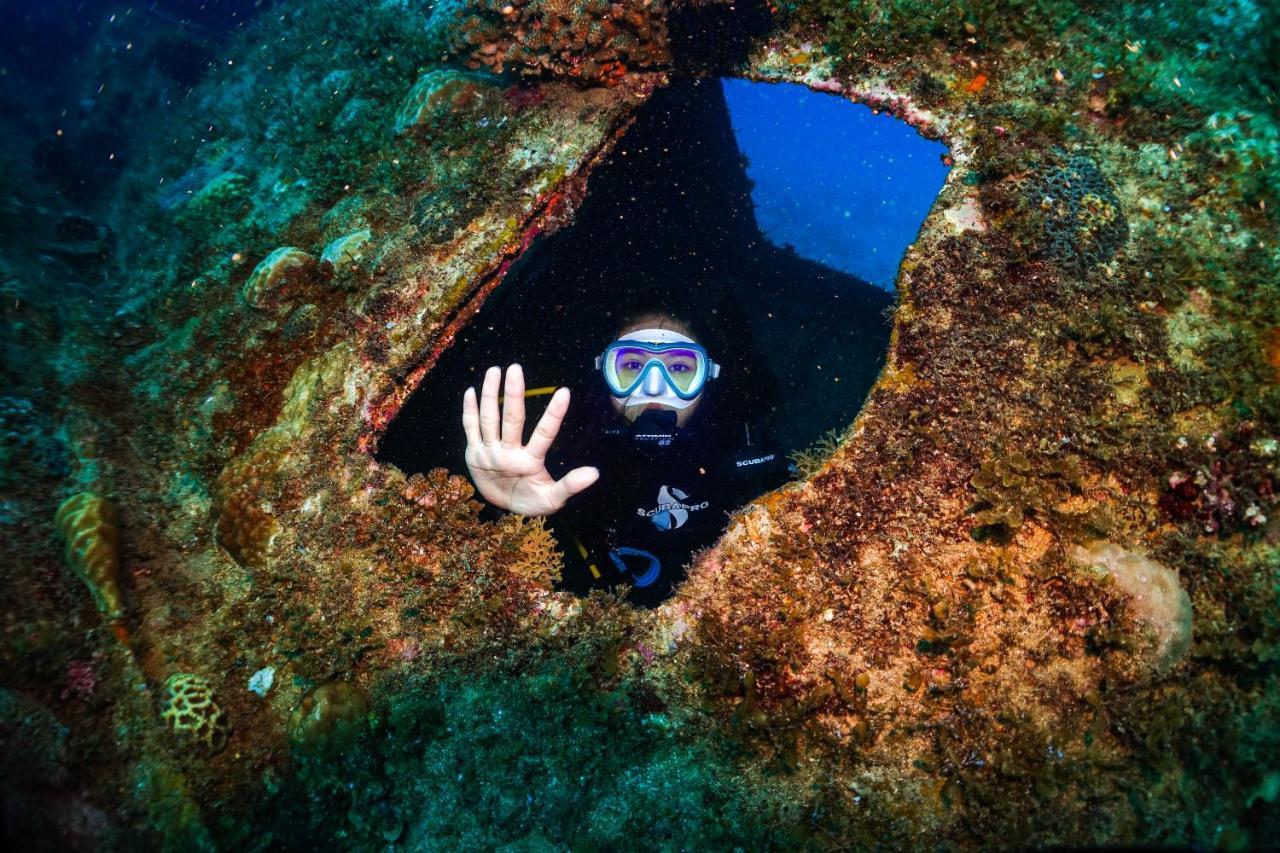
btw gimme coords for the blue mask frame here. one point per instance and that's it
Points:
(707, 369)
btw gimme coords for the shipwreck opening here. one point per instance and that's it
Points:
(770, 219)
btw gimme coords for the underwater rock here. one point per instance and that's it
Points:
(328, 719)
(24, 439)
(88, 526)
(438, 215)
(346, 252)
(1015, 732)
(282, 274)
(34, 739)
(192, 712)
(445, 92)
(1227, 483)
(1158, 600)
(82, 244)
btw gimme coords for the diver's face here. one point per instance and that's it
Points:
(630, 408)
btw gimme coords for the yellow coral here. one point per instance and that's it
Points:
(537, 555)
(278, 274)
(87, 523)
(193, 713)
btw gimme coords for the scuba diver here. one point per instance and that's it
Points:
(647, 480)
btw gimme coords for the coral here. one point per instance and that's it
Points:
(591, 42)
(302, 324)
(224, 197)
(83, 245)
(444, 93)
(88, 526)
(192, 712)
(329, 719)
(246, 526)
(282, 275)
(1158, 600)
(1083, 223)
(348, 251)
(537, 555)
(440, 495)
(1227, 483)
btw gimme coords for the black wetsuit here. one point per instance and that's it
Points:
(664, 492)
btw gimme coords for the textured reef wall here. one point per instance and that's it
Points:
(1030, 597)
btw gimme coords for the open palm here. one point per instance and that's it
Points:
(509, 474)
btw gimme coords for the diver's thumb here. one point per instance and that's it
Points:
(578, 480)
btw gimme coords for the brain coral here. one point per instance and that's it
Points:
(1158, 599)
(1084, 225)
(193, 713)
(87, 523)
(280, 275)
(444, 92)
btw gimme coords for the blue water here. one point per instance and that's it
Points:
(842, 185)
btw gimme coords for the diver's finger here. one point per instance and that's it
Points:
(489, 406)
(576, 481)
(513, 407)
(471, 416)
(549, 424)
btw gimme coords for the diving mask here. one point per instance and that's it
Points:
(656, 366)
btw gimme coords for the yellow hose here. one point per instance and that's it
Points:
(532, 392)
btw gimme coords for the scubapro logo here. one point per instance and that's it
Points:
(671, 512)
(743, 463)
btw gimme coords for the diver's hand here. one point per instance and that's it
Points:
(511, 476)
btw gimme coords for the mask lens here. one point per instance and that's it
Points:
(628, 362)
(682, 367)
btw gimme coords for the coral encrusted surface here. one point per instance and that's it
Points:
(1031, 598)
